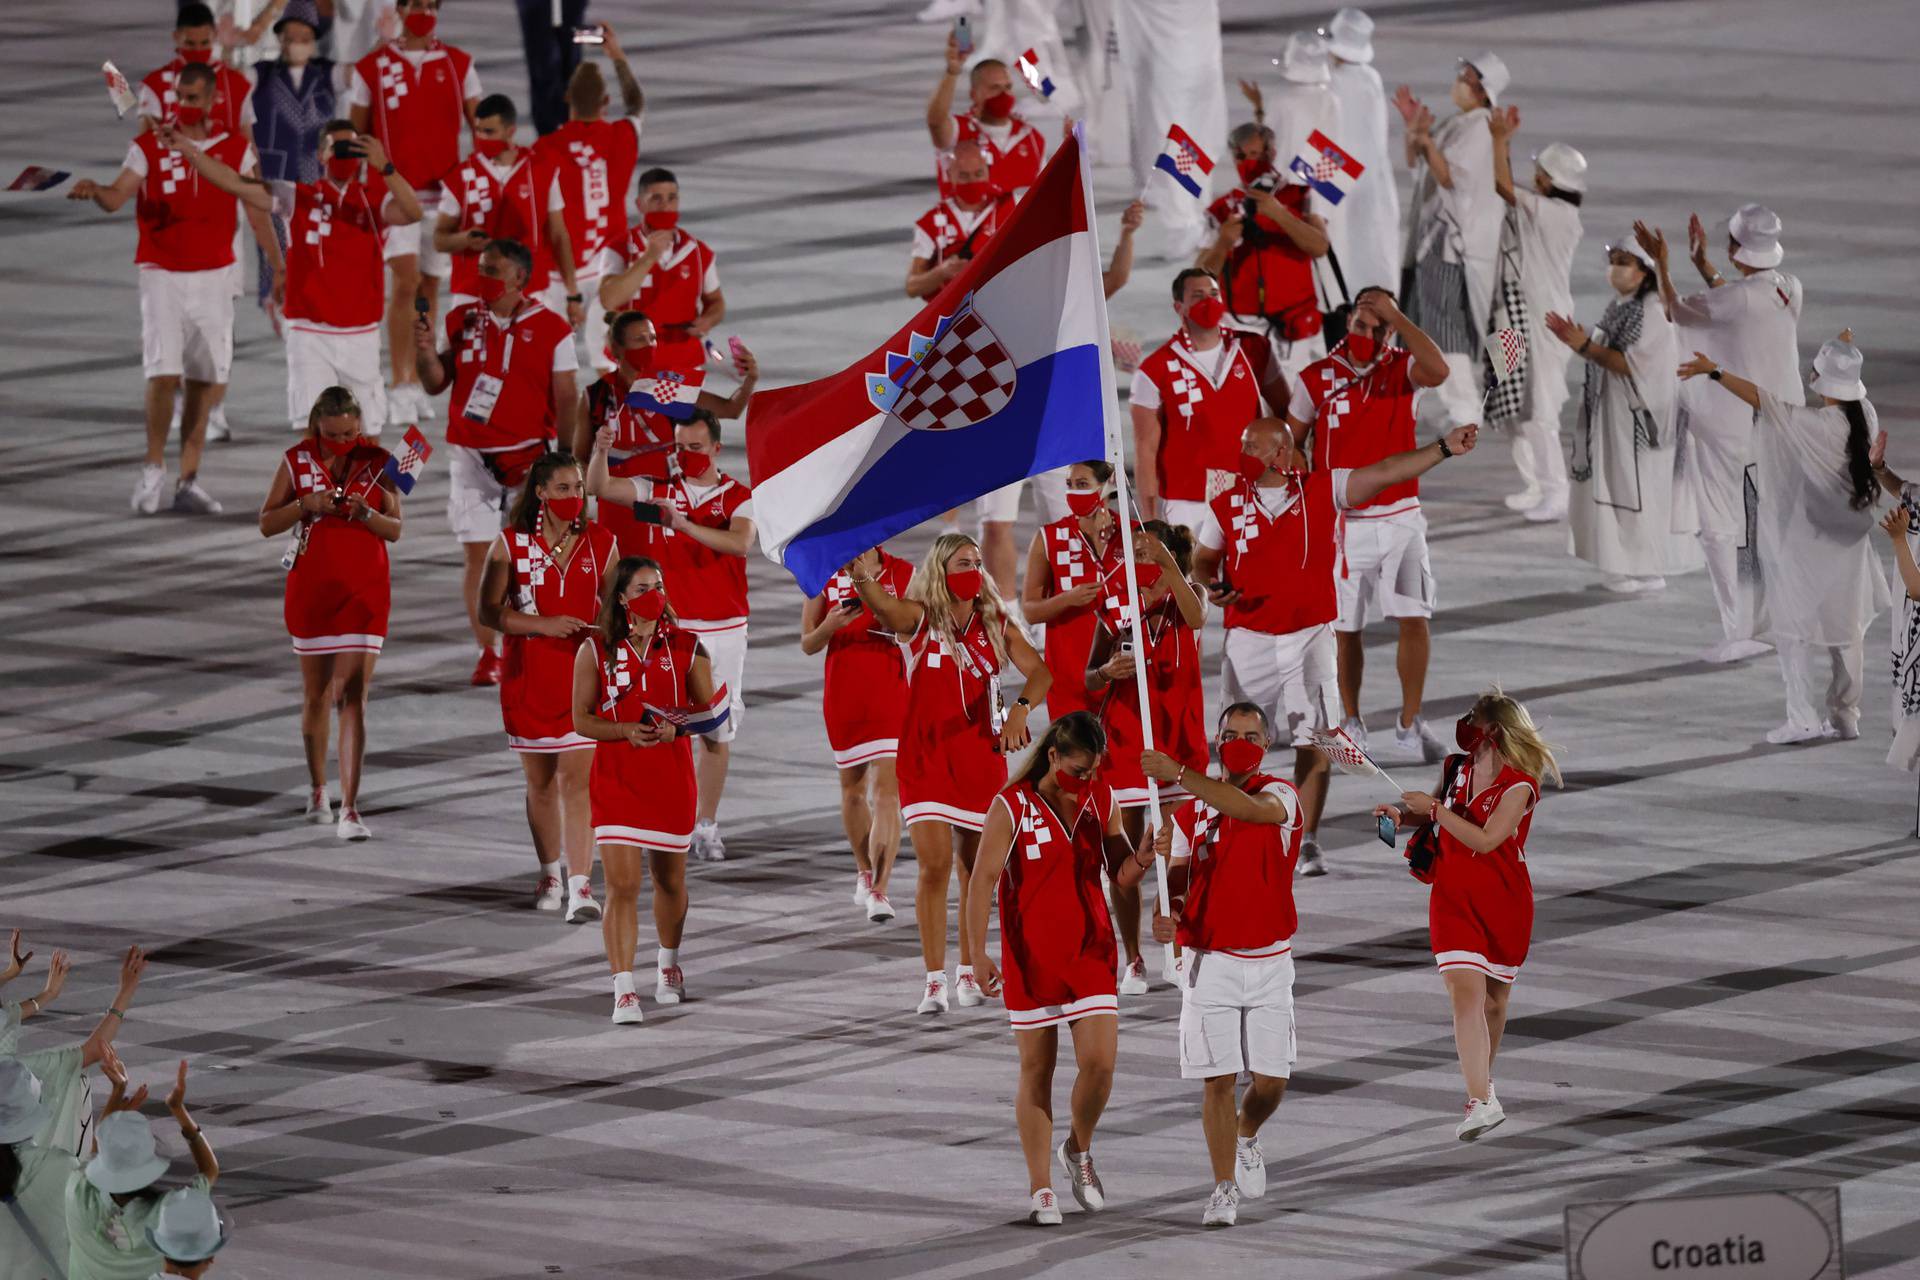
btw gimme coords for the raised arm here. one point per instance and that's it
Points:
(902, 617)
(58, 966)
(736, 404)
(600, 482)
(1501, 122)
(1120, 266)
(1366, 483)
(1894, 525)
(1654, 241)
(110, 197)
(203, 1159)
(131, 967)
(402, 208)
(1308, 232)
(1877, 459)
(1265, 806)
(940, 106)
(632, 100)
(250, 192)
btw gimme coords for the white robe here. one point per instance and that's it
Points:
(1824, 586)
(1905, 752)
(1009, 28)
(1550, 233)
(1471, 205)
(1366, 235)
(1170, 62)
(1295, 112)
(1620, 508)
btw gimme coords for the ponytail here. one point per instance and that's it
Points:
(1075, 731)
(1859, 444)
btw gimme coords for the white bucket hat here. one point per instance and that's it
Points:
(1836, 370)
(22, 1114)
(1493, 74)
(128, 1160)
(1564, 166)
(1632, 246)
(187, 1227)
(1757, 229)
(1350, 36)
(1304, 60)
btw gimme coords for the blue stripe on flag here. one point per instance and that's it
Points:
(1052, 421)
(1166, 165)
(1333, 194)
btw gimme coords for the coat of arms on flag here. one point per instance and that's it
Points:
(955, 377)
(404, 467)
(1181, 158)
(119, 92)
(1327, 168)
(1512, 345)
(1035, 75)
(672, 394)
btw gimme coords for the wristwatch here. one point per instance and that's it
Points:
(1444, 451)
(1021, 701)
(573, 297)
(387, 168)
(1714, 374)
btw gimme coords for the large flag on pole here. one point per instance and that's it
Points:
(1005, 374)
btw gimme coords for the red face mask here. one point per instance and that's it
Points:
(973, 192)
(638, 359)
(342, 170)
(661, 219)
(963, 584)
(694, 464)
(1145, 575)
(1363, 347)
(1205, 313)
(491, 147)
(1072, 784)
(1470, 735)
(340, 448)
(1251, 468)
(1250, 168)
(648, 605)
(1084, 502)
(1241, 755)
(565, 510)
(189, 116)
(420, 23)
(998, 107)
(489, 289)
(201, 56)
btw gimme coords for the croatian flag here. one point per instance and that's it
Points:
(404, 467)
(672, 394)
(692, 721)
(1513, 345)
(1181, 157)
(1005, 374)
(38, 178)
(1326, 168)
(119, 92)
(1036, 77)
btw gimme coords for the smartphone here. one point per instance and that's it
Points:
(963, 35)
(348, 149)
(648, 513)
(589, 35)
(853, 604)
(1387, 830)
(421, 306)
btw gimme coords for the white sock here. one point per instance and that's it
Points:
(1247, 1142)
(551, 869)
(937, 975)
(669, 957)
(963, 970)
(622, 984)
(578, 884)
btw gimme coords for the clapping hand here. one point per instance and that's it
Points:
(1563, 328)
(1407, 105)
(1697, 366)
(1653, 240)
(1876, 458)
(1503, 122)
(1894, 523)
(1251, 92)
(1133, 216)
(58, 967)
(18, 960)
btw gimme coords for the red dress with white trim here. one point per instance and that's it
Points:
(339, 589)
(536, 672)
(1073, 559)
(644, 797)
(1480, 912)
(1173, 691)
(1239, 876)
(1058, 956)
(865, 698)
(948, 767)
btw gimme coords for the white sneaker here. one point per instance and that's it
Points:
(423, 406)
(351, 828)
(671, 986)
(1735, 651)
(217, 429)
(935, 1001)
(626, 1009)
(550, 894)
(707, 844)
(862, 888)
(1085, 1182)
(943, 11)
(1356, 728)
(1549, 511)
(1843, 728)
(580, 905)
(1133, 978)
(1418, 741)
(319, 807)
(1621, 583)
(1173, 967)
(190, 498)
(967, 988)
(1526, 500)
(1790, 733)
(146, 494)
(1479, 1118)
(1250, 1168)
(879, 910)
(1312, 861)
(1223, 1206)
(1046, 1208)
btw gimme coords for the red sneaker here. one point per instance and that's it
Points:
(487, 670)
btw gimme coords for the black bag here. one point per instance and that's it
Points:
(1334, 319)
(1423, 846)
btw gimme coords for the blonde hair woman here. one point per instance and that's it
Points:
(1480, 913)
(959, 729)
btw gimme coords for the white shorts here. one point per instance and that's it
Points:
(1290, 677)
(1387, 569)
(186, 323)
(1236, 1014)
(317, 359)
(1050, 496)
(416, 239)
(727, 650)
(477, 504)
(1002, 506)
(1183, 511)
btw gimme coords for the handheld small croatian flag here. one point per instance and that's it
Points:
(1326, 168)
(1512, 345)
(1034, 74)
(672, 394)
(119, 92)
(1005, 374)
(1181, 157)
(691, 721)
(38, 178)
(404, 467)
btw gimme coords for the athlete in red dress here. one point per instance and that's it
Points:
(864, 701)
(333, 486)
(1068, 565)
(958, 732)
(541, 591)
(642, 785)
(1480, 913)
(1173, 613)
(1049, 836)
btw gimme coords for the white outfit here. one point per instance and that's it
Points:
(1620, 510)
(1009, 27)
(1546, 233)
(186, 323)
(1295, 111)
(318, 358)
(1905, 753)
(1751, 325)
(1457, 226)
(1170, 65)
(1824, 586)
(1387, 569)
(1236, 1014)
(726, 648)
(1366, 234)
(477, 504)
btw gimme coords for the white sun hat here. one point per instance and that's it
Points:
(1350, 36)
(128, 1160)
(1757, 229)
(1564, 166)
(188, 1228)
(1628, 244)
(1493, 74)
(1304, 60)
(1836, 370)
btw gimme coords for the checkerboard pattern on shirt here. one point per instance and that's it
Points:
(393, 81)
(965, 380)
(529, 570)
(1245, 521)
(1036, 831)
(1071, 567)
(1206, 826)
(1185, 386)
(1336, 408)
(617, 682)
(173, 171)
(319, 222)
(594, 195)
(169, 91)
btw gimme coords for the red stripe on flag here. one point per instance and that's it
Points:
(1326, 146)
(1178, 136)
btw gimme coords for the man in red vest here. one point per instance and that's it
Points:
(193, 45)
(661, 268)
(956, 231)
(1269, 550)
(1014, 149)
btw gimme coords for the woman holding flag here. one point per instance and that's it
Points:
(338, 488)
(1068, 565)
(541, 592)
(958, 731)
(642, 688)
(1057, 950)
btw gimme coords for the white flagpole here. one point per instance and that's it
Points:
(1117, 455)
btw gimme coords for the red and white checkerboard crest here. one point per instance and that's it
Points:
(958, 376)
(1513, 345)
